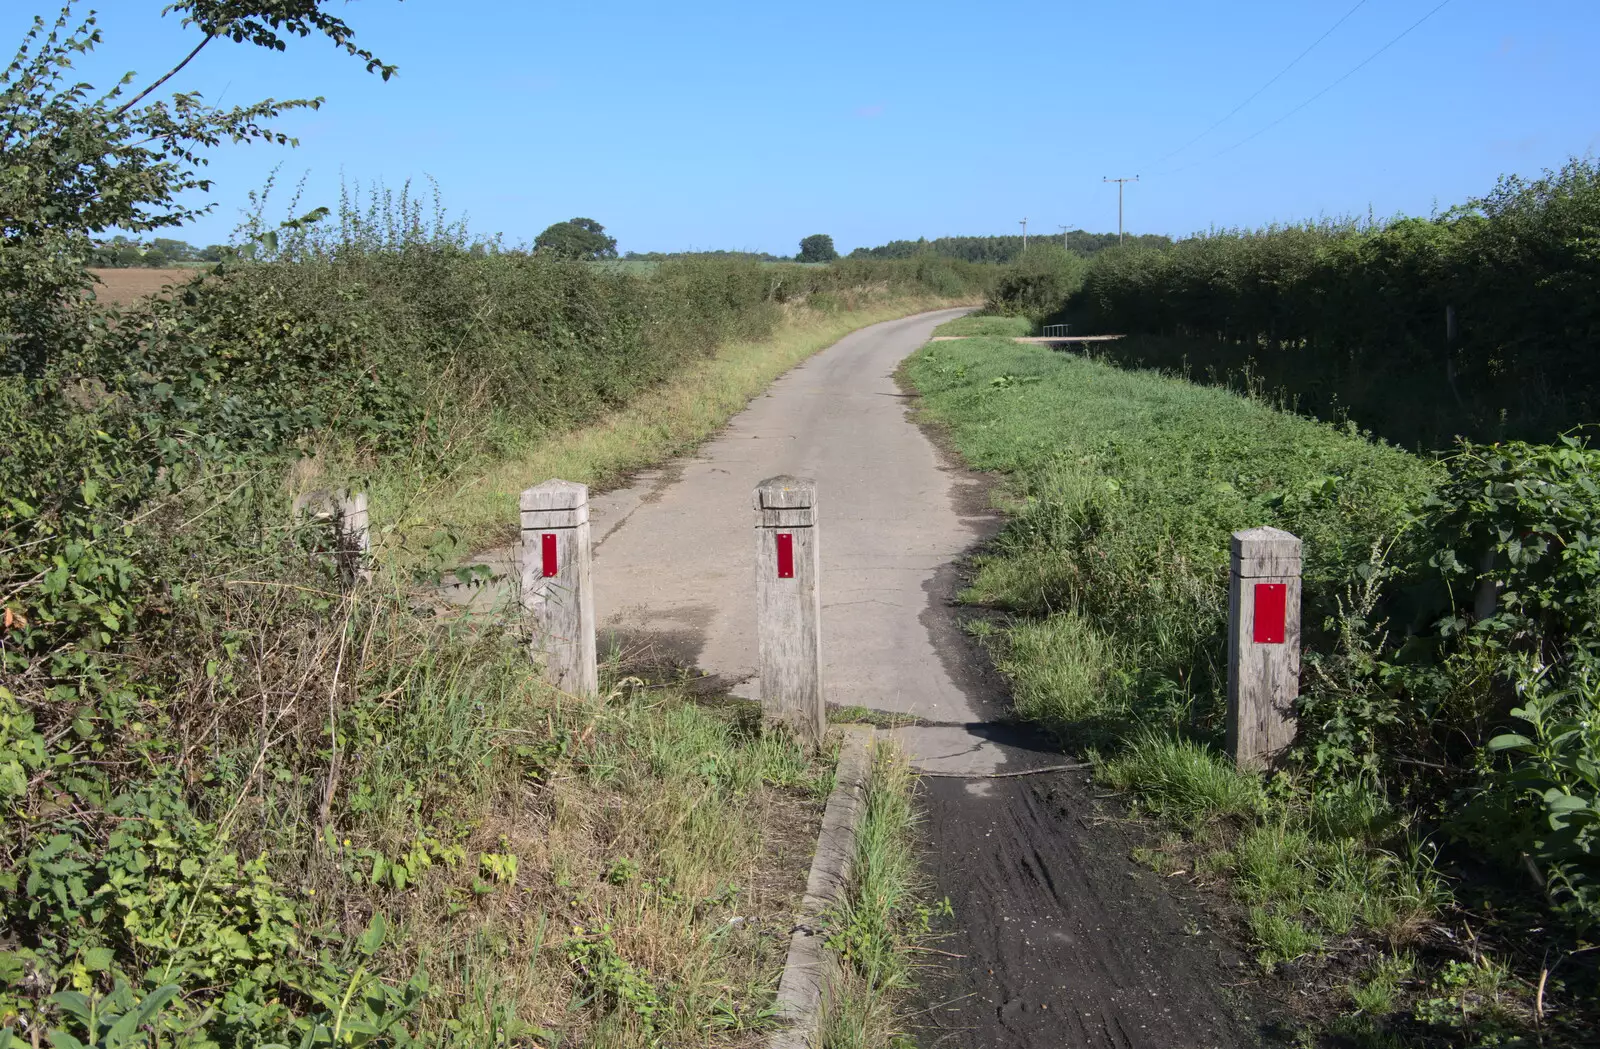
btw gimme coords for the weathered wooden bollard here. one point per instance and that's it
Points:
(555, 589)
(1263, 645)
(346, 513)
(789, 604)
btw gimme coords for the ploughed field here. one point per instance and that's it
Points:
(122, 286)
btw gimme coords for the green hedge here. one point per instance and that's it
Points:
(1345, 317)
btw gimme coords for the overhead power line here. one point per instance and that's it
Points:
(1276, 77)
(1347, 75)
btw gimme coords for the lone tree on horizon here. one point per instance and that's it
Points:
(576, 239)
(817, 248)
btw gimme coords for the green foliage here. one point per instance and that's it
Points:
(266, 23)
(80, 162)
(1351, 319)
(613, 983)
(816, 248)
(576, 239)
(1038, 283)
(1557, 776)
(1006, 248)
(1520, 523)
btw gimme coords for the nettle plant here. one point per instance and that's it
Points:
(1520, 523)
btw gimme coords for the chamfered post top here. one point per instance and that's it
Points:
(786, 493)
(555, 495)
(1266, 551)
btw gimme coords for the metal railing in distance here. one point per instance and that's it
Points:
(1057, 331)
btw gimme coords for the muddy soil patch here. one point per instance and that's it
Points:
(1065, 941)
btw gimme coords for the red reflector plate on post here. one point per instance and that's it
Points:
(785, 555)
(1272, 600)
(547, 545)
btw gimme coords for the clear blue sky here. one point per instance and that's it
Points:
(736, 125)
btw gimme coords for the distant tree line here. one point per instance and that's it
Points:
(125, 253)
(1006, 247)
(732, 256)
(816, 248)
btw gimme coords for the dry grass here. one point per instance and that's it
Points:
(618, 871)
(651, 906)
(695, 893)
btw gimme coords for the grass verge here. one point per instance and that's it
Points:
(975, 324)
(1123, 488)
(632, 885)
(882, 920)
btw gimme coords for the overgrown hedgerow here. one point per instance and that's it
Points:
(1124, 488)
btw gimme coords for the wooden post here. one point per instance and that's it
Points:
(789, 604)
(1263, 645)
(346, 513)
(556, 591)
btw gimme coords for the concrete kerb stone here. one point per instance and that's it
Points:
(811, 968)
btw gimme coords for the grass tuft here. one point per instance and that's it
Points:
(1183, 780)
(1280, 938)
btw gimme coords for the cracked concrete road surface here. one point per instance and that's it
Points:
(1060, 940)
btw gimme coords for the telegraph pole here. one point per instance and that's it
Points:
(1063, 236)
(1120, 182)
(1024, 234)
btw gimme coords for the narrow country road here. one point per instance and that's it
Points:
(675, 553)
(1063, 940)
